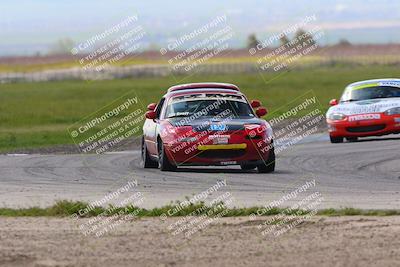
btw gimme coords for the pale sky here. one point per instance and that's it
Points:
(27, 26)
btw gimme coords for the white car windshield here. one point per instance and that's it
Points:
(370, 93)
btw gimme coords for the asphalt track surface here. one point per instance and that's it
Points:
(364, 174)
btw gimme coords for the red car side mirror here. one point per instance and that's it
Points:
(333, 102)
(255, 103)
(151, 106)
(151, 115)
(261, 111)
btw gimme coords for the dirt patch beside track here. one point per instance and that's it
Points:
(322, 241)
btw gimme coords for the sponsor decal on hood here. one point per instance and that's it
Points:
(365, 106)
(362, 117)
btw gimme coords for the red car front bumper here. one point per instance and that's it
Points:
(351, 126)
(240, 149)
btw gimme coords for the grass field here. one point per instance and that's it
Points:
(314, 59)
(38, 114)
(68, 208)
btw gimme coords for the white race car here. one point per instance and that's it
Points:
(367, 108)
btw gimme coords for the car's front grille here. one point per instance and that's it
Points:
(364, 129)
(222, 153)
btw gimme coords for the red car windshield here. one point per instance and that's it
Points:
(209, 108)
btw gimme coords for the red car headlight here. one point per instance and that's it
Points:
(187, 139)
(178, 134)
(336, 116)
(255, 131)
(393, 111)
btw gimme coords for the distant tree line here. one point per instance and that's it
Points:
(252, 40)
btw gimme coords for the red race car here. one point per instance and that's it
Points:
(366, 108)
(207, 124)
